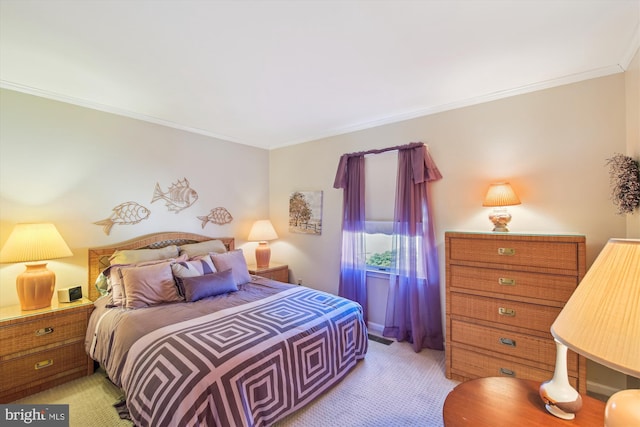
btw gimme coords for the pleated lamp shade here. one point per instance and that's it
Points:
(601, 321)
(500, 194)
(34, 243)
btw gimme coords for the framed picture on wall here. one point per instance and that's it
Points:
(305, 212)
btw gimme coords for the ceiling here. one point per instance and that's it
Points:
(275, 73)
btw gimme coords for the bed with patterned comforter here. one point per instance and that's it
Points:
(247, 358)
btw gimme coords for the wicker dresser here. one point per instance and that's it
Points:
(42, 348)
(503, 292)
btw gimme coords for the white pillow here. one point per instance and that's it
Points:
(203, 248)
(136, 256)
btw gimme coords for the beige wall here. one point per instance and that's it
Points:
(552, 145)
(71, 166)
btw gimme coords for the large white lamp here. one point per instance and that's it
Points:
(601, 321)
(262, 231)
(499, 196)
(34, 242)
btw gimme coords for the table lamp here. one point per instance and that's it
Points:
(261, 232)
(34, 242)
(601, 321)
(499, 196)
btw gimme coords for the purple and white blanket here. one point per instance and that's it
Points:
(243, 365)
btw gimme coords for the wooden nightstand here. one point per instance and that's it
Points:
(506, 402)
(275, 271)
(42, 348)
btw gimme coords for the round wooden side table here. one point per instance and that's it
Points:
(502, 401)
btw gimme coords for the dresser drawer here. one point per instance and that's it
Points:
(470, 364)
(514, 344)
(504, 312)
(551, 287)
(549, 255)
(43, 331)
(42, 366)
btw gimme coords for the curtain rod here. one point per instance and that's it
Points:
(384, 150)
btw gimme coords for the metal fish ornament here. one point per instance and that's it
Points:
(179, 196)
(217, 216)
(124, 214)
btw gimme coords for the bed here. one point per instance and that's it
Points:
(215, 355)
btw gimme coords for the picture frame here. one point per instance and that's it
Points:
(305, 212)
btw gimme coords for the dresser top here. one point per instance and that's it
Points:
(510, 234)
(15, 312)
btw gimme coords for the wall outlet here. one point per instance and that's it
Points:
(300, 282)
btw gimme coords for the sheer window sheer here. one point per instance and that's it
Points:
(413, 304)
(353, 279)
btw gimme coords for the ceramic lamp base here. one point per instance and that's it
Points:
(500, 219)
(35, 286)
(560, 398)
(263, 255)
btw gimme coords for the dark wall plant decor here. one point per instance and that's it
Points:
(624, 176)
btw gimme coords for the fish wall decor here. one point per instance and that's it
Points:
(178, 197)
(218, 216)
(124, 214)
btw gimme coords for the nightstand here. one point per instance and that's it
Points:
(42, 348)
(506, 402)
(275, 271)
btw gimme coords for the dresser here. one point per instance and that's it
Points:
(275, 271)
(503, 292)
(42, 348)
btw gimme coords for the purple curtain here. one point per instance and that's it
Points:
(353, 277)
(413, 304)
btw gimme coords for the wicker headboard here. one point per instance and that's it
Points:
(99, 257)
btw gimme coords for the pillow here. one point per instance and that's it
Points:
(102, 284)
(235, 261)
(203, 248)
(136, 256)
(114, 278)
(208, 285)
(149, 285)
(195, 267)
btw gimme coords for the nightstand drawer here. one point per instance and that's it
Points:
(504, 312)
(42, 331)
(514, 344)
(550, 255)
(551, 287)
(40, 367)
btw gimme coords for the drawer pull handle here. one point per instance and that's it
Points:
(506, 251)
(44, 364)
(507, 372)
(506, 282)
(44, 331)
(508, 341)
(506, 312)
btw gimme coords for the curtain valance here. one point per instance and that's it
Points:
(423, 167)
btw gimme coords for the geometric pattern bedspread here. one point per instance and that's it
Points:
(249, 365)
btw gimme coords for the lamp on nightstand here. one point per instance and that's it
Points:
(499, 196)
(261, 232)
(34, 242)
(601, 321)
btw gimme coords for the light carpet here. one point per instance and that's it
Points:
(393, 386)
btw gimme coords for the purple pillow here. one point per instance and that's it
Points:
(208, 285)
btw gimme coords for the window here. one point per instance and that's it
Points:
(379, 245)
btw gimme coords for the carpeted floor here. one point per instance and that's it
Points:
(393, 386)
